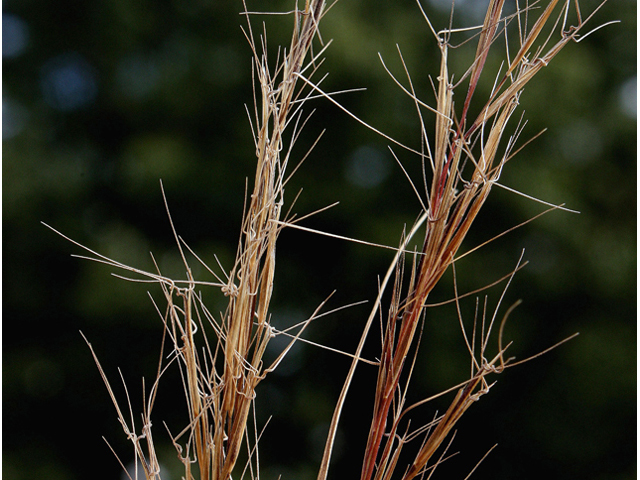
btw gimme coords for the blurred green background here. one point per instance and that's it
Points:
(102, 99)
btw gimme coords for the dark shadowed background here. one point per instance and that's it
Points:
(102, 99)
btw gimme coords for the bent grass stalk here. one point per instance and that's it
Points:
(452, 204)
(466, 157)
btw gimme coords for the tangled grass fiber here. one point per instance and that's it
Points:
(462, 159)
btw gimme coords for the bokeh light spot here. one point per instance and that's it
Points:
(367, 167)
(628, 97)
(14, 118)
(68, 82)
(581, 142)
(137, 76)
(15, 35)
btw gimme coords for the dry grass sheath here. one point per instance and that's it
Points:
(221, 375)
(466, 160)
(465, 156)
(220, 391)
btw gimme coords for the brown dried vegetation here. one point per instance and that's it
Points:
(463, 160)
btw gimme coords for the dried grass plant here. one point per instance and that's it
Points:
(462, 161)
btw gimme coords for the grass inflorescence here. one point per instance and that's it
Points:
(221, 357)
